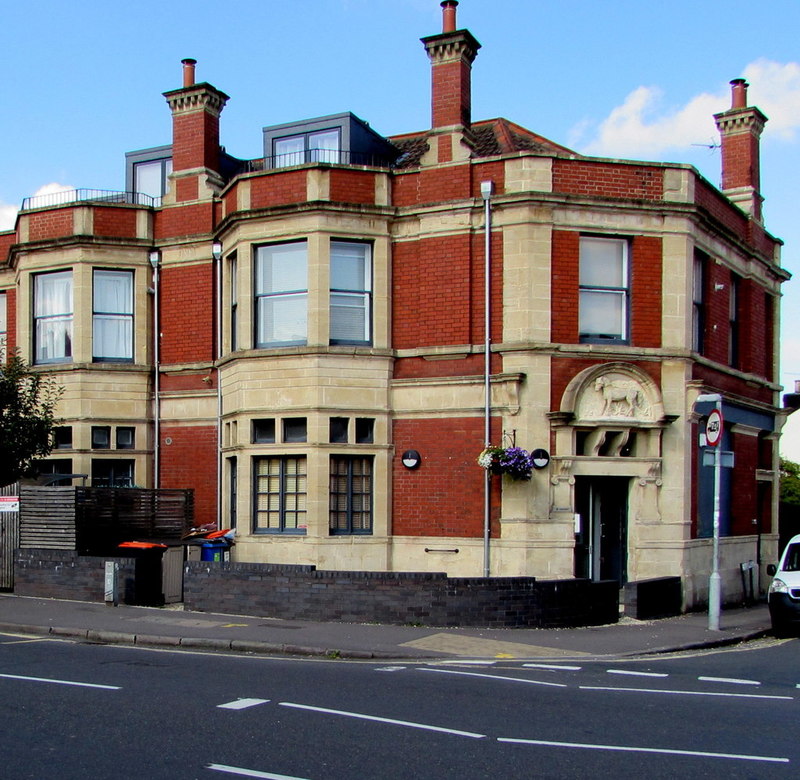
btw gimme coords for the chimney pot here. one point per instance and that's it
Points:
(449, 16)
(188, 71)
(739, 93)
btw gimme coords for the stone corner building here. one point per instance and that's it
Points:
(321, 311)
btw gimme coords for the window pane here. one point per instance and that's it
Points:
(602, 314)
(350, 501)
(338, 429)
(126, 438)
(364, 430)
(294, 430)
(112, 324)
(324, 146)
(602, 262)
(281, 268)
(289, 151)
(52, 311)
(147, 178)
(349, 317)
(282, 319)
(264, 431)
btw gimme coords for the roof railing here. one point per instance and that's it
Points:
(67, 197)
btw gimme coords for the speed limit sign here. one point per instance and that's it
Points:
(714, 428)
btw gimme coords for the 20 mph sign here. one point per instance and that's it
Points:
(714, 428)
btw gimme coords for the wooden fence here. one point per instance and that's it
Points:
(9, 539)
(93, 521)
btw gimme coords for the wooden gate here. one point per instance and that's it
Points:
(9, 538)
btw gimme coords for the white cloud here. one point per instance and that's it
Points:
(58, 193)
(642, 127)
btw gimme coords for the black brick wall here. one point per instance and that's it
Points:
(304, 593)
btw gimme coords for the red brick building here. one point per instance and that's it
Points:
(318, 371)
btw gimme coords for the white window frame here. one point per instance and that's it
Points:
(52, 320)
(609, 295)
(117, 317)
(281, 309)
(350, 299)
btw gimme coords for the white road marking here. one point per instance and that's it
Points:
(241, 704)
(61, 682)
(464, 662)
(732, 680)
(496, 677)
(636, 674)
(631, 749)
(236, 770)
(684, 693)
(390, 668)
(553, 666)
(392, 721)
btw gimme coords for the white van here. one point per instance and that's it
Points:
(784, 592)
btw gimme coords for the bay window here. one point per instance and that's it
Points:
(351, 292)
(52, 316)
(280, 495)
(112, 316)
(604, 289)
(281, 294)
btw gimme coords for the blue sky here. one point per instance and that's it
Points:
(82, 84)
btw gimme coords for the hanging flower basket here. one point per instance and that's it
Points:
(514, 462)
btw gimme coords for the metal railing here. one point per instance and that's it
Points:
(68, 197)
(315, 157)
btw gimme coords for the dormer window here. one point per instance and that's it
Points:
(322, 146)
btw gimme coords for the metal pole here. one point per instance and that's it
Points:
(217, 254)
(714, 581)
(154, 258)
(486, 193)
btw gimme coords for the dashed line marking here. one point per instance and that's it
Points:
(390, 721)
(684, 693)
(61, 682)
(632, 673)
(554, 667)
(237, 770)
(731, 680)
(497, 677)
(241, 704)
(632, 749)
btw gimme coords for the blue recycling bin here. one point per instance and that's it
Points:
(214, 551)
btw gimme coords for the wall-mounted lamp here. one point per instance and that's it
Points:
(411, 459)
(719, 286)
(154, 256)
(216, 250)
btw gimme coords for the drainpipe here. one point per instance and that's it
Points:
(154, 256)
(487, 188)
(216, 253)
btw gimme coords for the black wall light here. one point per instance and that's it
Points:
(411, 459)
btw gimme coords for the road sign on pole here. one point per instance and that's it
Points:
(714, 427)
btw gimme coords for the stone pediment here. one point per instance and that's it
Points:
(614, 392)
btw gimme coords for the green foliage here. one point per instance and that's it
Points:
(790, 482)
(27, 402)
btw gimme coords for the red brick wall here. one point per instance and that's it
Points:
(646, 262)
(432, 185)
(444, 496)
(276, 189)
(493, 171)
(186, 189)
(719, 207)
(190, 461)
(740, 161)
(352, 186)
(451, 94)
(438, 296)
(608, 180)
(187, 308)
(646, 293)
(117, 222)
(195, 141)
(184, 220)
(50, 224)
(564, 284)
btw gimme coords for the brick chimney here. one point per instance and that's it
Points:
(740, 129)
(195, 136)
(451, 53)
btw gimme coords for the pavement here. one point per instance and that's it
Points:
(172, 627)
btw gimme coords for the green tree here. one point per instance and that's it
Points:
(790, 482)
(27, 402)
